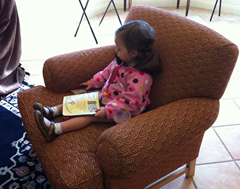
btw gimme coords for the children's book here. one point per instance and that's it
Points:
(81, 104)
(79, 91)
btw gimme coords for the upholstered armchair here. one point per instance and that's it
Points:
(197, 63)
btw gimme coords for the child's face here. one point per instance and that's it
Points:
(122, 50)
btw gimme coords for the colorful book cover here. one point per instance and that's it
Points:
(79, 91)
(81, 104)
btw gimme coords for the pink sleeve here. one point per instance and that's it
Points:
(100, 78)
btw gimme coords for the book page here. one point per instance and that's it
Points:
(82, 104)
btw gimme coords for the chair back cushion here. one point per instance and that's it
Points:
(196, 61)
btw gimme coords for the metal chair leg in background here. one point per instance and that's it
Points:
(220, 5)
(178, 2)
(111, 1)
(84, 13)
(187, 6)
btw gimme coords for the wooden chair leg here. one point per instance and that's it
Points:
(191, 168)
(188, 170)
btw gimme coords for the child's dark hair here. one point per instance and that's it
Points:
(138, 35)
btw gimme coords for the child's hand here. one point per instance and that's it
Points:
(101, 113)
(88, 84)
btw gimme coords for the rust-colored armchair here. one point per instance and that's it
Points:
(197, 64)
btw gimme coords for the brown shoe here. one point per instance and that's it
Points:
(47, 131)
(40, 107)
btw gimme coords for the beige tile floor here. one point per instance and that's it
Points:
(218, 164)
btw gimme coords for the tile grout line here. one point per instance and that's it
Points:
(194, 183)
(235, 103)
(209, 163)
(233, 160)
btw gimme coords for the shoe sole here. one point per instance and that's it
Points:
(40, 108)
(40, 128)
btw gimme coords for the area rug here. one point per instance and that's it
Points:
(19, 165)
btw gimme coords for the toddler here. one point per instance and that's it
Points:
(125, 82)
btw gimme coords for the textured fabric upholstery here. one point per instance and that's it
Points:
(197, 64)
(196, 60)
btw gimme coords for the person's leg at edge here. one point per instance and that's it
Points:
(79, 123)
(51, 130)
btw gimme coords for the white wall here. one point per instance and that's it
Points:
(228, 6)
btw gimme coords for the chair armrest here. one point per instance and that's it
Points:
(65, 72)
(128, 147)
